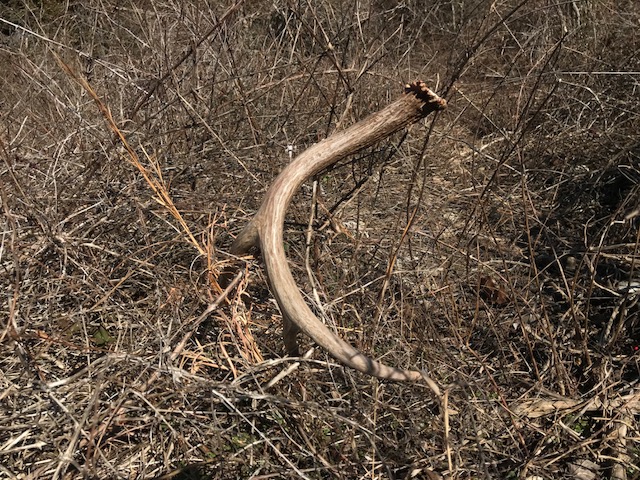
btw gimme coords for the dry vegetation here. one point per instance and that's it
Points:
(496, 245)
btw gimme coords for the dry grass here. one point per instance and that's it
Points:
(495, 246)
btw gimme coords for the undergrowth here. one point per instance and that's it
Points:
(495, 245)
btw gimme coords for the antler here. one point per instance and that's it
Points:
(265, 230)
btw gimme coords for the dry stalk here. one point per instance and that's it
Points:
(153, 177)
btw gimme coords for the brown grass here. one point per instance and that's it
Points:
(496, 246)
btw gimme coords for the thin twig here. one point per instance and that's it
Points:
(194, 326)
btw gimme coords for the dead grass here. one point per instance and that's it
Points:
(496, 246)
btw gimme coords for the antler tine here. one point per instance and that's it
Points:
(266, 228)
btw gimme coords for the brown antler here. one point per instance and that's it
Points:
(265, 229)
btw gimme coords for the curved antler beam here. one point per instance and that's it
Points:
(265, 230)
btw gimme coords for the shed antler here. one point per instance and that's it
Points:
(265, 230)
